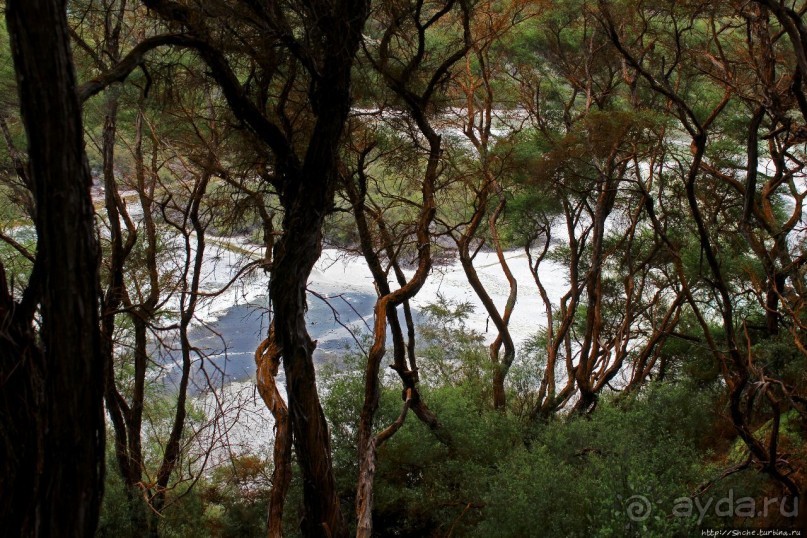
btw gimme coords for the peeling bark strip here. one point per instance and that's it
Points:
(267, 359)
(70, 419)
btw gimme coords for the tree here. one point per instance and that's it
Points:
(580, 211)
(52, 417)
(317, 68)
(753, 387)
(402, 42)
(479, 87)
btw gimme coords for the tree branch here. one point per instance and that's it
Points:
(129, 63)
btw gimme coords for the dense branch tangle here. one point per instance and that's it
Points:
(293, 76)
(764, 98)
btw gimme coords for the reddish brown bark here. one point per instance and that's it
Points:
(267, 360)
(742, 377)
(401, 83)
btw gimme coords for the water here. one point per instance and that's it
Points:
(227, 346)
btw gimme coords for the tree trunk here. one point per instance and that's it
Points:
(295, 256)
(776, 284)
(306, 188)
(72, 461)
(267, 360)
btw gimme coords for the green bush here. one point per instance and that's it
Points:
(500, 475)
(580, 477)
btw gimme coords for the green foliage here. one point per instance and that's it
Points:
(452, 355)
(118, 505)
(343, 387)
(340, 230)
(236, 498)
(185, 516)
(17, 267)
(424, 486)
(502, 476)
(577, 478)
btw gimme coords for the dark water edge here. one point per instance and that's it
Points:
(227, 346)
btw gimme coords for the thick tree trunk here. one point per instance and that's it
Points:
(72, 460)
(294, 259)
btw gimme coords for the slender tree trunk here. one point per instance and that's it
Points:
(386, 313)
(267, 360)
(194, 251)
(72, 462)
(776, 284)
(591, 348)
(125, 418)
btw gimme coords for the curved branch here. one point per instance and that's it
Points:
(390, 430)
(121, 71)
(221, 71)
